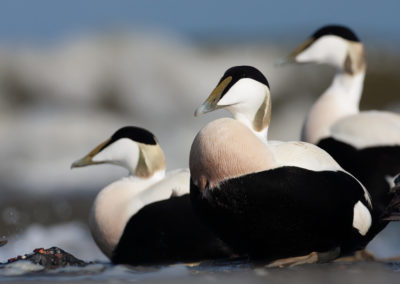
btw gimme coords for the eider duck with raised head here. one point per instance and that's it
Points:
(147, 217)
(267, 199)
(367, 143)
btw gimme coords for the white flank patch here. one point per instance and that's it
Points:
(390, 180)
(361, 218)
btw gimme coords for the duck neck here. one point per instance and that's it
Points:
(113, 207)
(341, 99)
(154, 178)
(151, 161)
(257, 119)
(345, 91)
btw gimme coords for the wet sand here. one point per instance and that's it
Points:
(228, 272)
(206, 272)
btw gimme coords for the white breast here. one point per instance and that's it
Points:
(118, 202)
(224, 149)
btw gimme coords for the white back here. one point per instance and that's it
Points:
(303, 155)
(368, 129)
(307, 156)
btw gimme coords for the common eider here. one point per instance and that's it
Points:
(270, 200)
(147, 217)
(367, 143)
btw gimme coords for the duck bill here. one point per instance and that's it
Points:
(211, 103)
(88, 159)
(292, 56)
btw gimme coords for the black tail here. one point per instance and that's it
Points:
(392, 211)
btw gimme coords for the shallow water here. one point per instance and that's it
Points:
(209, 272)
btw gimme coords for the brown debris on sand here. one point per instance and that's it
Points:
(51, 258)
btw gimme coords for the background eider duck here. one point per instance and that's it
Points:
(147, 217)
(367, 143)
(270, 199)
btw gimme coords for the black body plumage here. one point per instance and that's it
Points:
(283, 212)
(167, 231)
(372, 166)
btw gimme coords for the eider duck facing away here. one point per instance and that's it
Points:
(367, 144)
(147, 217)
(270, 199)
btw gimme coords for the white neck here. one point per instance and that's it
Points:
(114, 206)
(341, 99)
(249, 102)
(156, 177)
(347, 89)
(263, 134)
(247, 119)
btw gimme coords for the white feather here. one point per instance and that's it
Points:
(341, 99)
(303, 155)
(368, 129)
(307, 156)
(390, 180)
(361, 218)
(119, 201)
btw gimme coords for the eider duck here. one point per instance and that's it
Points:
(147, 217)
(270, 200)
(367, 143)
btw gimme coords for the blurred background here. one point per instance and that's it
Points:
(73, 72)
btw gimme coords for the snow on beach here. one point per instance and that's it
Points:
(73, 237)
